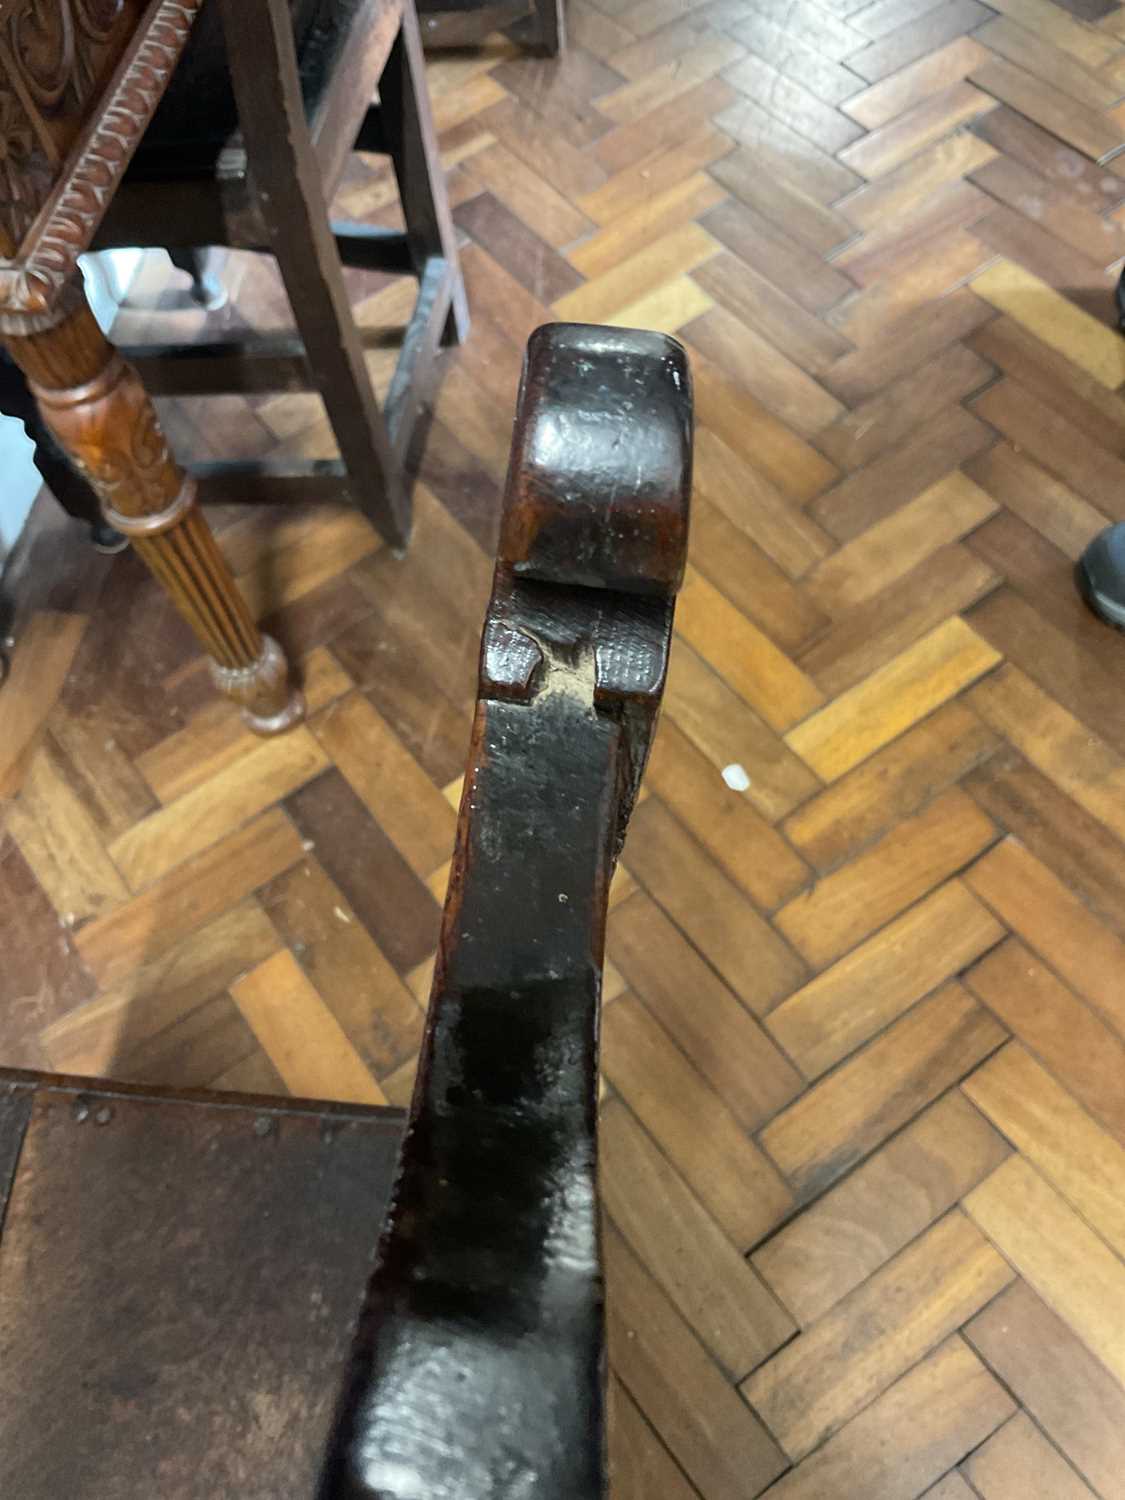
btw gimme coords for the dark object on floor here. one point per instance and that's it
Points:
(180, 1274)
(539, 25)
(479, 1368)
(261, 107)
(1100, 572)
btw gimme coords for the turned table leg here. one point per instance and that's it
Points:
(98, 410)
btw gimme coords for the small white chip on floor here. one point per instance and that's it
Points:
(736, 778)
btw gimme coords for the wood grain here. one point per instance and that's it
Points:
(851, 1112)
(852, 1354)
(879, 980)
(865, 719)
(1046, 1242)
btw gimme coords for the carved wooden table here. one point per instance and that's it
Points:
(178, 1278)
(79, 81)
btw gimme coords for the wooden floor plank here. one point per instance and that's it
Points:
(195, 821)
(844, 908)
(927, 1420)
(867, 635)
(751, 580)
(747, 659)
(702, 1015)
(904, 346)
(905, 44)
(1066, 1389)
(734, 1181)
(1053, 922)
(1059, 1256)
(712, 1434)
(728, 732)
(1018, 1460)
(888, 146)
(931, 74)
(1049, 1019)
(1050, 108)
(932, 451)
(732, 1313)
(889, 549)
(639, 1463)
(878, 1210)
(855, 1109)
(750, 501)
(754, 961)
(190, 896)
(893, 784)
(301, 1036)
(849, 1003)
(861, 434)
(876, 711)
(36, 674)
(1057, 831)
(871, 1338)
(1053, 1132)
(724, 820)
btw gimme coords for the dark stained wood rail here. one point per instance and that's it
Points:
(478, 1369)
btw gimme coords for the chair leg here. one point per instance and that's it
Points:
(550, 17)
(207, 289)
(263, 65)
(98, 410)
(408, 128)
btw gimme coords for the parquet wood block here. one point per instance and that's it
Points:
(713, 1435)
(845, 907)
(35, 677)
(750, 501)
(843, 1007)
(728, 732)
(929, 1419)
(1054, 321)
(731, 1311)
(1046, 1242)
(878, 1210)
(877, 711)
(724, 821)
(852, 1111)
(1085, 1054)
(189, 896)
(867, 635)
(193, 822)
(104, 1036)
(1053, 1132)
(864, 1026)
(697, 1010)
(1018, 1460)
(667, 1095)
(300, 1033)
(893, 784)
(871, 1338)
(931, 452)
(751, 580)
(1057, 1379)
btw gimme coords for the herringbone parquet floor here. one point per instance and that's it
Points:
(864, 1122)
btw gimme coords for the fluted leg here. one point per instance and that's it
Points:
(99, 412)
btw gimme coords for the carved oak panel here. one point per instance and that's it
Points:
(79, 81)
(56, 56)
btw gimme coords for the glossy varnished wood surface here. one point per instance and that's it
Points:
(864, 1032)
